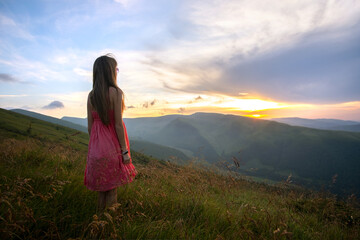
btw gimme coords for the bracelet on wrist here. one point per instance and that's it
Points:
(125, 152)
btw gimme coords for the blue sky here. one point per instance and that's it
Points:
(252, 58)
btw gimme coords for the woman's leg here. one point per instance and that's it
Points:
(101, 201)
(111, 197)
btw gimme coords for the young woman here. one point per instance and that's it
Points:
(108, 162)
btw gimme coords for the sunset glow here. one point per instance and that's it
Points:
(250, 105)
(180, 57)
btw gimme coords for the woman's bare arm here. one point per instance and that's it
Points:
(117, 98)
(89, 115)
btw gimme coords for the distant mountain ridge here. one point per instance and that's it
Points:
(80, 121)
(326, 124)
(321, 123)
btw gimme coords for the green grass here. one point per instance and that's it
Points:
(42, 196)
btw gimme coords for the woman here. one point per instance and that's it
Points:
(108, 162)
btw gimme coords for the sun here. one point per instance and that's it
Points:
(255, 116)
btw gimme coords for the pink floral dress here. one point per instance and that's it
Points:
(105, 169)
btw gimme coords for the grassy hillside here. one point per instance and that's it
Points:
(51, 119)
(15, 125)
(43, 196)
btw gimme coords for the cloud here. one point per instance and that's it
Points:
(54, 105)
(82, 72)
(12, 95)
(250, 49)
(181, 110)
(8, 27)
(32, 70)
(153, 102)
(149, 104)
(130, 106)
(321, 67)
(7, 78)
(195, 99)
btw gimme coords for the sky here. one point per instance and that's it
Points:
(264, 59)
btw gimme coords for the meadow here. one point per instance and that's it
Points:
(43, 196)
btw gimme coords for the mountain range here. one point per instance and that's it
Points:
(326, 124)
(262, 148)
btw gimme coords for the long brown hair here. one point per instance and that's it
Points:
(104, 77)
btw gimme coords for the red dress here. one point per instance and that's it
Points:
(105, 169)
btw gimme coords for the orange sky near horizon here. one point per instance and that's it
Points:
(187, 104)
(262, 110)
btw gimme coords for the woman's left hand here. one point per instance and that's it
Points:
(126, 158)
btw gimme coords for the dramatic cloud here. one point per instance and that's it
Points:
(250, 49)
(54, 105)
(322, 67)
